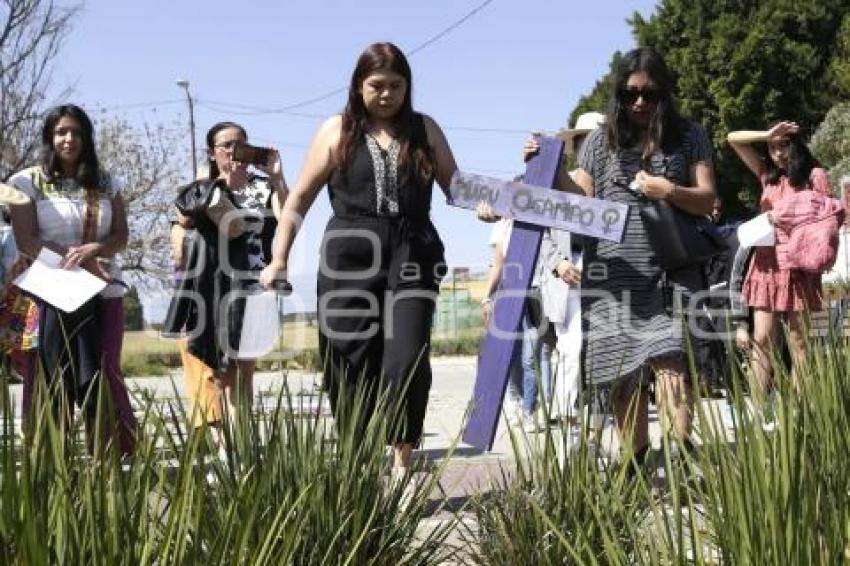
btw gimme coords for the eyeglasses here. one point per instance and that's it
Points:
(230, 144)
(649, 95)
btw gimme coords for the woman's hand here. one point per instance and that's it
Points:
(782, 130)
(485, 212)
(79, 255)
(95, 268)
(654, 187)
(273, 168)
(236, 176)
(568, 272)
(531, 147)
(272, 273)
(487, 310)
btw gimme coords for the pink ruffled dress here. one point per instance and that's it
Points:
(783, 290)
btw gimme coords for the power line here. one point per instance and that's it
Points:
(246, 110)
(449, 29)
(138, 105)
(233, 109)
(428, 42)
(488, 130)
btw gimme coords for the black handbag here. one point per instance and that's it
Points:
(194, 198)
(680, 239)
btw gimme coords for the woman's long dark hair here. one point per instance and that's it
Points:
(211, 133)
(415, 155)
(88, 167)
(665, 124)
(800, 163)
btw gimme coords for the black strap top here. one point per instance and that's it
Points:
(372, 185)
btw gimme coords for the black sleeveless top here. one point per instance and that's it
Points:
(372, 185)
(371, 188)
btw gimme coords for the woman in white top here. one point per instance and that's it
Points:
(75, 209)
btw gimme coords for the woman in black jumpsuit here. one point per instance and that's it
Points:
(381, 257)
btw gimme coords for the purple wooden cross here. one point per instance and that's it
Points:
(497, 352)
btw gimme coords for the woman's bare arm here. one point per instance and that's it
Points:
(315, 173)
(444, 160)
(741, 141)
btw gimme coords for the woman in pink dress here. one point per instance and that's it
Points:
(784, 166)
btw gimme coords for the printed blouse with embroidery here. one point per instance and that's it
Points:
(61, 208)
(373, 182)
(385, 164)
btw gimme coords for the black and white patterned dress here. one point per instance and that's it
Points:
(626, 320)
(255, 198)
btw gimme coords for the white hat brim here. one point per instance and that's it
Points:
(568, 135)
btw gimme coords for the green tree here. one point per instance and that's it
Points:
(134, 318)
(148, 161)
(744, 64)
(831, 143)
(840, 68)
(597, 100)
(31, 36)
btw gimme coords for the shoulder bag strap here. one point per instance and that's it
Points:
(91, 216)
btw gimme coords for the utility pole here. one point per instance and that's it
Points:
(184, 84)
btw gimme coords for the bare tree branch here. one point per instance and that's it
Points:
(31, 35)
(146, 161)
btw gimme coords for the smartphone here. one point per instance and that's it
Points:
(246, 153)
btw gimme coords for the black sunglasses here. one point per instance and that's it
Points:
(649, 95)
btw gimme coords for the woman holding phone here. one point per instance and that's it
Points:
(381, 258)
(236, 210)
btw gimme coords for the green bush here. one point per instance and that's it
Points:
(293, 490)
(144, 365)
(462, 346)
(147, 356)
(779, 496)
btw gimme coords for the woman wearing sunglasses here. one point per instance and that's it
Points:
(644, 151)
(784, 166)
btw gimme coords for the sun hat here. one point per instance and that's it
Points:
(585, 124)
(11, 195)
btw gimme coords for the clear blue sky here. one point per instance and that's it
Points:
(512, 66)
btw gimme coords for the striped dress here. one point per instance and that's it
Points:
(626, 319)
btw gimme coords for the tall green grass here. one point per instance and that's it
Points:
(753, 495)
(294, 489)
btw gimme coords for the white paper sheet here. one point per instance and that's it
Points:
(757, 232)
(65, 289)
(260, 325)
